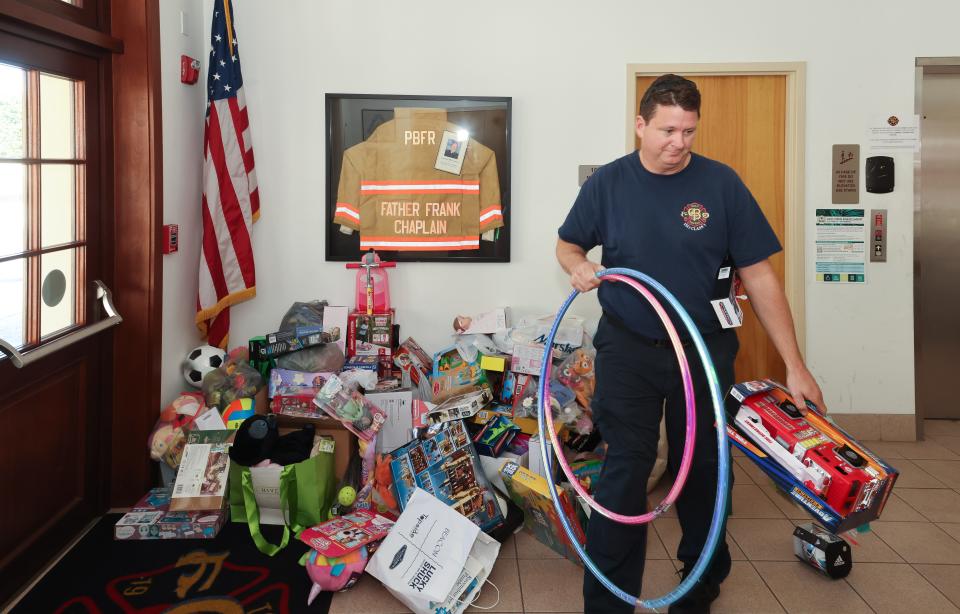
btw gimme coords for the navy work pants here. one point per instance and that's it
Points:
(637, 381)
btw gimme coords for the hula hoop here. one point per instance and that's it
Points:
(723, 453)
(691, 432)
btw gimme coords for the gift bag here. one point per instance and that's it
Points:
(296, 496)
(434, 560)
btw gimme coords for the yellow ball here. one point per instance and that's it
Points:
(347, 495)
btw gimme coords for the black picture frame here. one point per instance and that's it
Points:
(352, 118)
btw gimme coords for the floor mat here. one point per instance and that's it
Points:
(225, 574)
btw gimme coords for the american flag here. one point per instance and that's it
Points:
(231, 203)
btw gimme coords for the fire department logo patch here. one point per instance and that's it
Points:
(694, 216)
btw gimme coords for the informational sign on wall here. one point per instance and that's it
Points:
(894, 133)
(841, 253)
(585, 170)
(846, 174)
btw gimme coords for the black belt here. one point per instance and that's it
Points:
(656, 343)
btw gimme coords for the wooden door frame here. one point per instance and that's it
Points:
(793, 173)
(138, 272)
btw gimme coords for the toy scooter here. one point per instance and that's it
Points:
(373, 289)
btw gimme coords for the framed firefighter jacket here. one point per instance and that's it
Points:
(423, 179)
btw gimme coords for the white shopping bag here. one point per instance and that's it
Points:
(434, 560)
(266, 490)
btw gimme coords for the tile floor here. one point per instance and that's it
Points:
(908, 562)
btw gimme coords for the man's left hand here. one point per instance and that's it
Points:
(803, 387)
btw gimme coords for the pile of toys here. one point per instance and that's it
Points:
(459, 423)
(342, 381)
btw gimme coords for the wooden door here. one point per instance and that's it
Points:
(742, 124)
(53, 411)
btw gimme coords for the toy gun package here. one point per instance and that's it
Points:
(817, 463)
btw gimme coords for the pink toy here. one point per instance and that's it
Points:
(334, 574)
(373, 288)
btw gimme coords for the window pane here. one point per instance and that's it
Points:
(58, 282)
(13, 208)
(12, 301)
(13, 93)
(57, 117)
(58, 195)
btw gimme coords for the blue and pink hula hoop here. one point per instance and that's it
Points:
(547, 429)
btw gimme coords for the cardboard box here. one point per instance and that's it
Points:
(527, 358)
(370, 334)
(530, 492)
(151, 518)
(365, 363)
(461, 406)
(335, 322)
(287, 341)
(398, 429)
(288, 382)
(345, 444)
(445, 464)
(535, 459)
(528, 426)
(411, 359)
(495, 362)
(487, 323)
(452, 375)
(782, 449)
(202, 477)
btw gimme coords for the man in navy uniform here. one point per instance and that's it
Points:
(676, 216)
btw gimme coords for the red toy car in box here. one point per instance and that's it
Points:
(816, 453)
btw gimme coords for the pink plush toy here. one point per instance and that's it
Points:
(334, 574)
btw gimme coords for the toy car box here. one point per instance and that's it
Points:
(530, 491)
(818, 464)
(151, 518)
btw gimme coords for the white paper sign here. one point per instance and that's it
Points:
(894, 133)
(841, 247)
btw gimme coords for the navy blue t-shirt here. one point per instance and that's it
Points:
(676, 228)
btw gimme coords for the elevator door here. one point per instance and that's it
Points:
(937, 244)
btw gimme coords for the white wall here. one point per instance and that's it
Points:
(564, 64)
(183, 110)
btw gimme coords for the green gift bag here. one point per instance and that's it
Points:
(305, 489)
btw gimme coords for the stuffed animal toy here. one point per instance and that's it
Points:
(334, 574)
(167, 440)
(576, 373)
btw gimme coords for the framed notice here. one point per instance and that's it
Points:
(418, 178)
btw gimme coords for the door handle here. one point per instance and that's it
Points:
(113, 318)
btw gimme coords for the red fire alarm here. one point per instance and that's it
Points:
(171, 234)
(189, 70)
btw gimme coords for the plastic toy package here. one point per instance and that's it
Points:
(817, 463)
(235, 380)
(343, 401)
(168, 437)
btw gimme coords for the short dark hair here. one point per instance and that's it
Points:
(670, 90)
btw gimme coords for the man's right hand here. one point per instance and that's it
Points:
(583, 276)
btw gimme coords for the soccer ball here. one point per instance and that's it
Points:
(200, 361)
